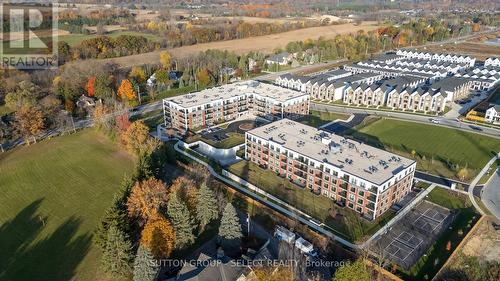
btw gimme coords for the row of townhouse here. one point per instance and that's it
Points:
(483, 78)
(229, 102)
(492, 62)
(437, 69)
(363, 178)
(391, 73)
(435, 56)
(409, 93)
(326, 86)
(376, 94)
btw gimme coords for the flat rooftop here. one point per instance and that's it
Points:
(358, 159)
(235, 90)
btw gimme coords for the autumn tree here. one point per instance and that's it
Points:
(137, 74)
(90, 86)
(204, 78)
(146, 198)
(145, 267)
(206, 207)
(279, 273)
(186, 189)
(463, 174)
(126, 91)
(183, 224)
(101, 117)
(166, 60)
(135, 137)
(25, 95)
(103, 89)
(5, 132)
(29, 121)
(158, 236)
(354, 271)
(117, 253)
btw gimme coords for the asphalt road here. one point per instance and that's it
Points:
(491, 194)
(444, 122)
(340, 127)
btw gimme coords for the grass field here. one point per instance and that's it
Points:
(319, 118)
(436, 147)
(53, 195)
(347, 224)
(465, 218)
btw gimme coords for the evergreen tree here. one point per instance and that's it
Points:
(116, 215)
(230, 228)
(183, 224)
(206, 207)
(145, 267)
(117, 256)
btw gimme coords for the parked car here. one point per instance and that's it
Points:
(435, 121)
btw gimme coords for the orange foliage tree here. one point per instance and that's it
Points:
(187, 190)
(146, 198)
(126, 90)
(135, 137)
(90, 86)
(29, 121)
(158, 236)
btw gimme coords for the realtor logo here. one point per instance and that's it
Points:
(29, 35)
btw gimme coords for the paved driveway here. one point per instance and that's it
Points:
(339, 127)
(491, 194)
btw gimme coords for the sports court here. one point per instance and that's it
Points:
(405, 242)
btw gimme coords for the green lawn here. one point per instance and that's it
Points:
(53, 195)
(348, 225)
(437, 149)
(233, 139)
(319, 118)
(465, 218)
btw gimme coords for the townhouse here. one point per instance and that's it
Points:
(360, 177)
(493, 114)
(482, 78)
(470, 61)
(229, 102)
(495, 62)
(453, 88)
(376, 94)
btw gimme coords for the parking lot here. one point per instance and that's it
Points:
(410, 238)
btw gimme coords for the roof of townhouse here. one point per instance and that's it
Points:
(387, 56)
(402, 80)
(449, 83)
(234, 90)
(358, 159)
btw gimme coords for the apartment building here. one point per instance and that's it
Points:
(229, 102)
(363, 178)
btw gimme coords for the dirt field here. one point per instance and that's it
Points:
(261, 43)
(484, 243)
(475, 47)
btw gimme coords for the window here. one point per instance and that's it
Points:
(360, 201)
(351, 197)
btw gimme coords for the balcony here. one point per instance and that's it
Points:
(343, 194)
(343, 186)
(372, 198)
(300, 174)
(371, 206)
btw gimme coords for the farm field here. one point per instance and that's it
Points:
(53, 195)
(436, 148)
(265, 43)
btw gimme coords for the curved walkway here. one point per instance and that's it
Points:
(476, 180)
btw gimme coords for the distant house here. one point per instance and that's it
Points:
(283, 58)
(252, 64)
(85, 102)
(493, 114)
